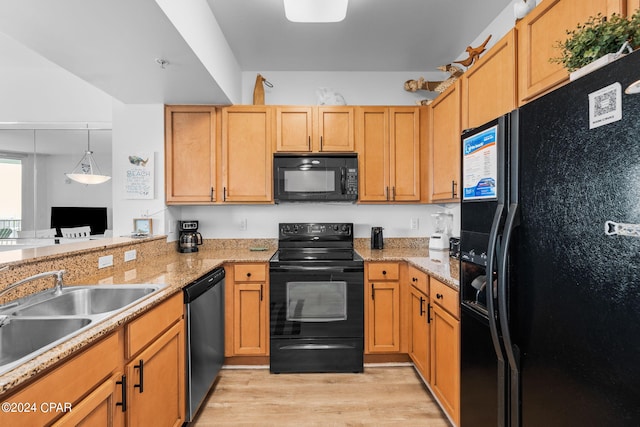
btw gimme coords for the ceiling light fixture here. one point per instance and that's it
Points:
(87, 170)
(315, 10)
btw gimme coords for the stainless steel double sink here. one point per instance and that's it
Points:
(34, 324)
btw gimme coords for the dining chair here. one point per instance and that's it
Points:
(76, 232)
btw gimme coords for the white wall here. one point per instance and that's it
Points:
(262, 221)
(137, 128)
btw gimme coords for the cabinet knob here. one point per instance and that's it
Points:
(248, 274)
(384, 272)
(413, 279)
(439, 296)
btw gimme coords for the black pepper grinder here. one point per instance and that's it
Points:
(377, 241)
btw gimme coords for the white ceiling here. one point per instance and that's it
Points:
(113, 44)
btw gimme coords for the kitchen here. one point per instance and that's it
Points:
(145, 123)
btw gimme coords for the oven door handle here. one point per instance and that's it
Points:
(316, 347)
(328, 269)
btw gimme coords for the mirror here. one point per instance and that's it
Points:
(33, 163)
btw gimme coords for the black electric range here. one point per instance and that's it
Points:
(316, 300)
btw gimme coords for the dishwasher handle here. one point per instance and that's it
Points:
(203, 284)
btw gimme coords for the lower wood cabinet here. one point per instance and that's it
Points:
(134, 376)
(247, 310)
(66, 385)
(382, 308)
(419, 341)
(155, 381)
(445, 348)
(99, 408)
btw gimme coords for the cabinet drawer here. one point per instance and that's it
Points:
(141, 331)
(419, 279)
(383, 271)
(249, 272)
(445, 297)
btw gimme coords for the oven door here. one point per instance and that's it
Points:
(320, 302)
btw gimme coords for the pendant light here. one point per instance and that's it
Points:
(87, 170)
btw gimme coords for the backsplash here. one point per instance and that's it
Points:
(77, 264)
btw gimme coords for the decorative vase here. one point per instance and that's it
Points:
(522, 7)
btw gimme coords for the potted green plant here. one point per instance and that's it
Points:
(599, 39)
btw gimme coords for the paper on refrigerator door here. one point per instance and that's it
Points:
(605, 106)
(480, 165)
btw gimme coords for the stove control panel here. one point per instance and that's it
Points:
(316, 229)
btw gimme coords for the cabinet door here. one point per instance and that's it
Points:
(155, 382)
(404, 142)
(489, 86)
(445, 360)
(445, 145)
(336, 129)
(539, 32)
(294, 129)
(101, 408)
(250, 321)
(419, 339)
(383, 323)
(632, 6)
(373, 154)
(190, 154)
(247, 154)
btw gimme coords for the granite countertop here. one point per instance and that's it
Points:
(177, 270)
(435, 263)
(173, 269)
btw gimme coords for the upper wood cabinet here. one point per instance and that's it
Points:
(247, 154)
(294, 129)
(632, 6)
(190, 154)
(539, 32)
(445, 144)
(315, 129)
(388, 141)
(490, 85)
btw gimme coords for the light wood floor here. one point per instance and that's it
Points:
(387, 396)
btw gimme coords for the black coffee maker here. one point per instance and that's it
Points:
(189, 238)
(377, 241)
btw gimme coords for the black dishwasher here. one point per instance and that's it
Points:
(204, 303)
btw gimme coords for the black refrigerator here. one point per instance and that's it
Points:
(550, 258)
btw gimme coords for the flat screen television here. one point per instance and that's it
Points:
(71, 216)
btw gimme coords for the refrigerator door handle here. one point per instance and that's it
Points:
(512, 353)
(491, 258)
(491, 309)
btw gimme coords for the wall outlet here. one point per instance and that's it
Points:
(243, 224)
(105, 261)
(415, 224)
(130, 255)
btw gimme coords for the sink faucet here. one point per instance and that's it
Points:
(58, 286)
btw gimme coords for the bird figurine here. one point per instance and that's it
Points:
(434, 86)
(474, 53)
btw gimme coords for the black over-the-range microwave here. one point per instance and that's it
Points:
(315, 177)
